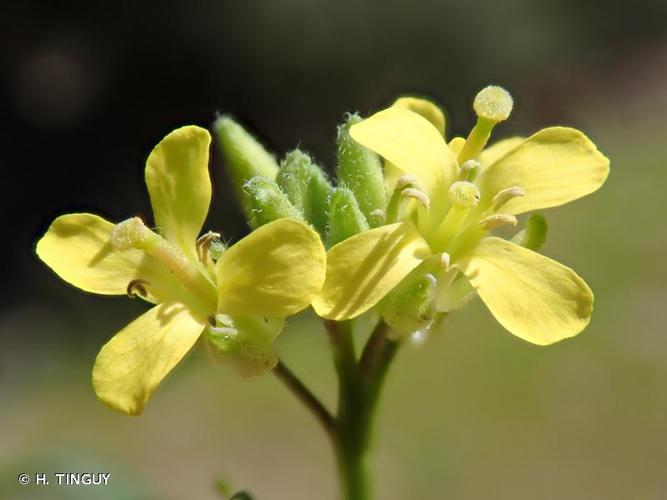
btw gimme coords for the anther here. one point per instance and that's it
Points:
(497, 220)
(418, 195)
(377, 213)
(204, 245)
(136, 288)
(445, 261)
(468, 167)
(506, 195)
(407, 180)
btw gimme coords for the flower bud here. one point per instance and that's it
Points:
(409, 307)
(345, 217)
(266, 202)
(306, 186)
(360, 170)
(243, 155)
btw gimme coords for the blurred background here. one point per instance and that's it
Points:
(88, 88)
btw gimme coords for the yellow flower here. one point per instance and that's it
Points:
(247, 290)
(445, 200)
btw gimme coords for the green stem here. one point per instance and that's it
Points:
(359, 388)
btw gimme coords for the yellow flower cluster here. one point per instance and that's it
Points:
(444, 200)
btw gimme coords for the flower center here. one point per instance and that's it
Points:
(133, 233)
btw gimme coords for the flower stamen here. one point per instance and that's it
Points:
(418, 195)
(136, 288)
(497, 220)
(506, 195)
(204, 244)
(133, 234)
(469, 170)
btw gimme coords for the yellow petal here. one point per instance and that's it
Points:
(77, 248)
(532, 296)
(275, 271)
(498, 150)
(554, 166)
(364, 268)
(425, 108)
(179, 186)
(131, 365)
(415, 146)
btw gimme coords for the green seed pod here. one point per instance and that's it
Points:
(360, 170)
(410, 306)
(345, 217)
(243, 155)
(245, 342)
(266, 202)
(535, 233)
(306, 186)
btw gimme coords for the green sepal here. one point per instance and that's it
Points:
(306, 186)
(534, 235)
(243, 155)
(360, 170)
(345, 217)
(410, 306)
(245, 342)
(266, 202)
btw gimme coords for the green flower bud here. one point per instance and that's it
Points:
(266, 202)
(410, 306)
(535, 233)
(360, 170)
(245, 342)
(306, 186)
(345, 217)
(243, 155)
